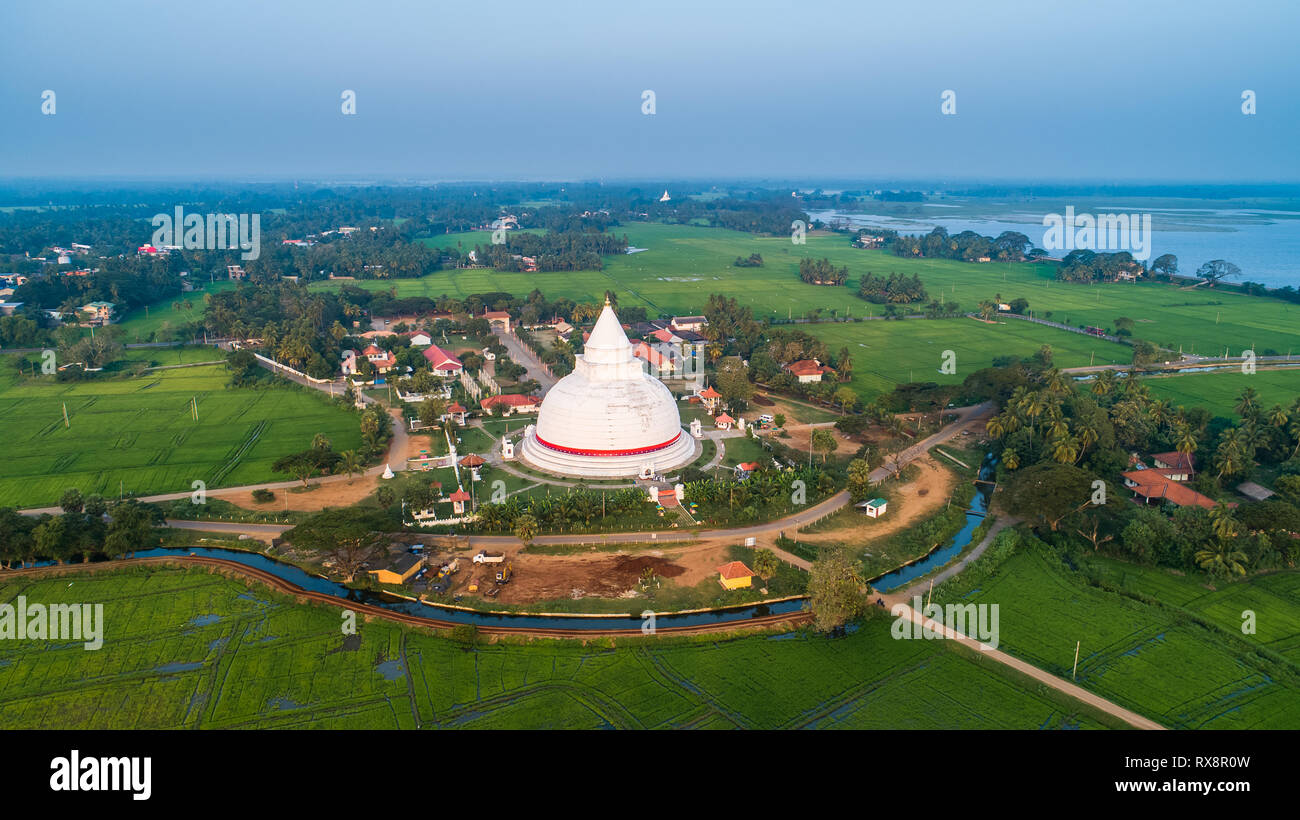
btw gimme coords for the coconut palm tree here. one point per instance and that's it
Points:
(1222, 560)
(1278, 416)
(1104, 384)
(1065, 450)
(350, 463)
(1248, 403)
(1222, 522)
(1010, 459)
(995, 427)
(1184, 440)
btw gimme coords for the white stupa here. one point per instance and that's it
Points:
(608, 417)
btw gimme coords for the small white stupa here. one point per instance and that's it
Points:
(388, 472)
(665, 197)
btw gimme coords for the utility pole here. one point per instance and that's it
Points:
(1076, 660)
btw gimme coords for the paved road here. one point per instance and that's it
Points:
(526, 357)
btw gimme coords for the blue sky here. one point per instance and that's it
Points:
(552, 90)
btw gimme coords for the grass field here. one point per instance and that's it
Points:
(1152, 658)
(137, 434)
(1218, 391)
(187, 649)
(888, 353)
(683, 264)
(140, 324)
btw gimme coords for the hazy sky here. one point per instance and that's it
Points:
(551, 89)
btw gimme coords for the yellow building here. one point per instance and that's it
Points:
(399, 570)
(735, 576)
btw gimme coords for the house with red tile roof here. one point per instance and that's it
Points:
(807, 370)
(381, 359)
(1154, 486)
(659, 363)
(511, 402)
(1175, 465)
(442, 362)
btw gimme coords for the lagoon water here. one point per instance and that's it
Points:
(1265, 244)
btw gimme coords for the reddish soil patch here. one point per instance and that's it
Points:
(600, 575)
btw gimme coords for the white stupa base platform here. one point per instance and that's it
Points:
(540, 457)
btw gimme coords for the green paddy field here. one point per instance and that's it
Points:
(683, 264)
(1220, 390)
(136, 435)
(189, 649)
(1177, 654)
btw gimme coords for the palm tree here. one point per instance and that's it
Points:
(350, 463)
(1184, 440)
(1065, 450)
(1057, 384)
(320, 442)
(1248, 403)
(995, 427)
(1088, 436)
(1010, 459)
(1222, 522)
(526, 528)
(1104, 384)
(1278, 416)
(1222, 560)
(1033, 406)
(1160, 412)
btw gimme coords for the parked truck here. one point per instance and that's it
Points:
(485, 557)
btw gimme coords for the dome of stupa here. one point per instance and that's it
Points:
(609, 417)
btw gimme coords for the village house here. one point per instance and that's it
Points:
(97, 314)
(443, 363)
(348, 364)
(1176, 466)
(659, 362)
(695, 324)
(808, 370)
(1154, 486)
(420, 339)
(383, 360)
(511, 403)
(723, 422)
(236, 272)
(745, 469)
(735, 575)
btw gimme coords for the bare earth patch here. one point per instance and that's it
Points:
(336, 492)
(913, 501)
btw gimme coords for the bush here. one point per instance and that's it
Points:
(263, 496)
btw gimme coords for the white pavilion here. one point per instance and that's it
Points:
(609, 417)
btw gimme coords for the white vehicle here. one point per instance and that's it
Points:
(489, 558)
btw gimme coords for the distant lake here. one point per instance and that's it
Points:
(1265, 244)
